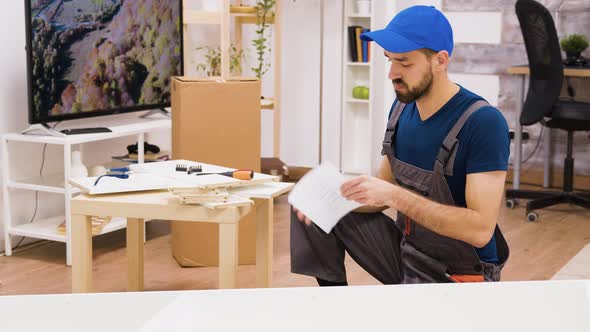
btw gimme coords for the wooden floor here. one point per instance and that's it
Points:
(538, 251)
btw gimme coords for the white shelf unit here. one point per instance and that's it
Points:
(363, 122)
(357, 115)
(55, 183)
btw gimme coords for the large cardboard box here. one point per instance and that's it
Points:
(218, 123)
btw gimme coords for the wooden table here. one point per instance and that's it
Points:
(567, 71)
(137, 207)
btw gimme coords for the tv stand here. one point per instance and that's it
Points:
(46, 228)
(42, 129)
(161, 111)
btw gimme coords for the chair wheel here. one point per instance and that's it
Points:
(511, 203)
(532, 216)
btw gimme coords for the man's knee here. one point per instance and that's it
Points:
(356, 222)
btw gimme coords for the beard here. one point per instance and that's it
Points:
(418, 91)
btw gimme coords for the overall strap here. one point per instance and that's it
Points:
(391, 125)
(447, 152)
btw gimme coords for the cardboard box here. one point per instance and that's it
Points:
(218, 123)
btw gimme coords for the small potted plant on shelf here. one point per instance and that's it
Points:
(573, 46)
(212, 64)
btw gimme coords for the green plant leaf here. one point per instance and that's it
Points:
(574, 43)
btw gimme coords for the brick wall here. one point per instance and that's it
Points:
(494, 59)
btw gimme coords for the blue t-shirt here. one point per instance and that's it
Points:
(484, 145)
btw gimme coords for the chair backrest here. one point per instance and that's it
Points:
(545, 63)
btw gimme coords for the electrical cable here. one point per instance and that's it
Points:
(535, 149)
(536, 146)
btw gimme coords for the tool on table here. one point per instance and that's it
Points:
(190, 170)
(195, 169)
(120, 172)
(242, 174)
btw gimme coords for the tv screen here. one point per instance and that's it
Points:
(97, 57)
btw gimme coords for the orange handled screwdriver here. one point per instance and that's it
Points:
(242, 174)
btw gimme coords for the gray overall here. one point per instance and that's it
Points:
(402, 251)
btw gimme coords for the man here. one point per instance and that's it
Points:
(446, 155)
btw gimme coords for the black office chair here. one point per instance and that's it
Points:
(543, 105)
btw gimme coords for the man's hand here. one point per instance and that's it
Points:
(302, 217)
(368, 190)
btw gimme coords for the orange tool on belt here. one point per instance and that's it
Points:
(242, 174)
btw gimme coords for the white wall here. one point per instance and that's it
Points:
(488, 25)
(332, 78)
(487, 86)
(303, 142)
(300, 83)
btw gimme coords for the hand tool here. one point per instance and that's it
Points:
(242, 174)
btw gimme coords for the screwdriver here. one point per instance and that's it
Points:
(242, 174)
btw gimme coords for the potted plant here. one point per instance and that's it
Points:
(212, 64)
(573, 45)
(264, 11)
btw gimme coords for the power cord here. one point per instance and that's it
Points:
(535, 149)
(37, 192)
(536, 145)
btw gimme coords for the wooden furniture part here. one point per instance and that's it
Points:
(47, 228)
(137, 207)
(241, 15)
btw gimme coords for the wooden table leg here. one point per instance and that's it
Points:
(81, 254)
(228, 255)
(135, 233)
(264, 242)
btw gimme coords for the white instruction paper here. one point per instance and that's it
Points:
(317, 195)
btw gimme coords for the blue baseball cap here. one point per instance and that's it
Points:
(415, 28)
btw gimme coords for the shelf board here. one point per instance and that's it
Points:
(267, 103)
(133, 127)
(358, 64)
(242, 10)
(243, 15)
(50, 183)
(40, 229)
(355, 15)
(248, 15)
(115, 224)
(47, 228)
(358, 101)
(251, 19)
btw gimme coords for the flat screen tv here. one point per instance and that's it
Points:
(97, 57)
